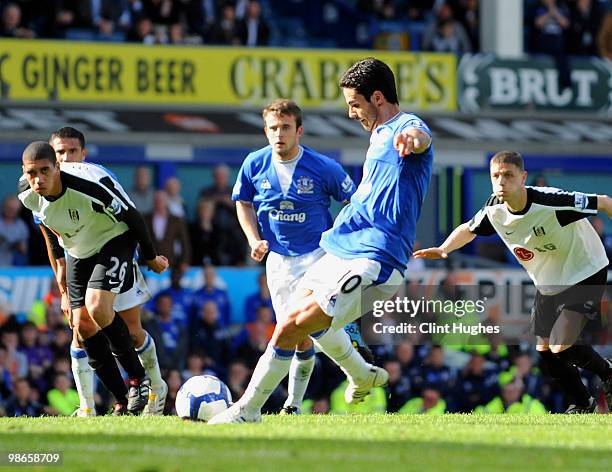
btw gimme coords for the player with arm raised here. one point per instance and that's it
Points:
(366, 250)
(284, 190)
(96, 223)
(69, 146)
(547, 231)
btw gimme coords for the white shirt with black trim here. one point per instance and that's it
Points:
(88, 212)
(550, 237)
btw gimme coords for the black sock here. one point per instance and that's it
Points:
(567, 376)
(101, 360)
(122, 346)
(587, 358)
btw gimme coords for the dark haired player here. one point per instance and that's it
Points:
(367, 249)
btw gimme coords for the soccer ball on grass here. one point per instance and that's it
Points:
(202, 397)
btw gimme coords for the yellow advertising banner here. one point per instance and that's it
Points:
(61, 71)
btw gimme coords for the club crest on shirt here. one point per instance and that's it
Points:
(539, 231)
(305, 185)
(265, 184)
(286, 205)
(74, 214)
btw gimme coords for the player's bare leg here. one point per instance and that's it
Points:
(145, 348)
(273, 365)
(566, 330)
(99, 304)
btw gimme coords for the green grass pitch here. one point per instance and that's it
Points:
(311, 443)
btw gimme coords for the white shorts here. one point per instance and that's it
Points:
(345, 289)
(284, 274)
(139, 294)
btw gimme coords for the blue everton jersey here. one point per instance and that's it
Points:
(292, 223)
(380, 222)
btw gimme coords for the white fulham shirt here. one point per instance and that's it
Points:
(551, 237)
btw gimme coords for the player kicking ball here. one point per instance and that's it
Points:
(366, 250)
(95, 222)
(69, 146)
(547, 231)
(285, 189)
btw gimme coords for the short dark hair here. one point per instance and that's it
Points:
(368, 76)
(68, 132)
(284, 106)
(37, 151)
(509, 157)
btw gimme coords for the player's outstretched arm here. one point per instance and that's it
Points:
(411, 141)
(248, 223)
(457, 239)
(604, 203)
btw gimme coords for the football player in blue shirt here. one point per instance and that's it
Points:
(283, 193)
(367, 249)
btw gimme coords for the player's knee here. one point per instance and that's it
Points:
(98, 308)
(85, 327)
(288, 331)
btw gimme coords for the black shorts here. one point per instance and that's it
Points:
(585, 297)
(111, 269)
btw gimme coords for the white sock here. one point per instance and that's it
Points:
(271, 368)
(336, 344)
(83, 377)
(299, 374)
(148, 358)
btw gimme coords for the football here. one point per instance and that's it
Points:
(202, 397)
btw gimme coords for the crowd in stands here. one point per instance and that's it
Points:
(139, 21)
(577, 27)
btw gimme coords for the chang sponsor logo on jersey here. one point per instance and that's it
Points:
(280, 215)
